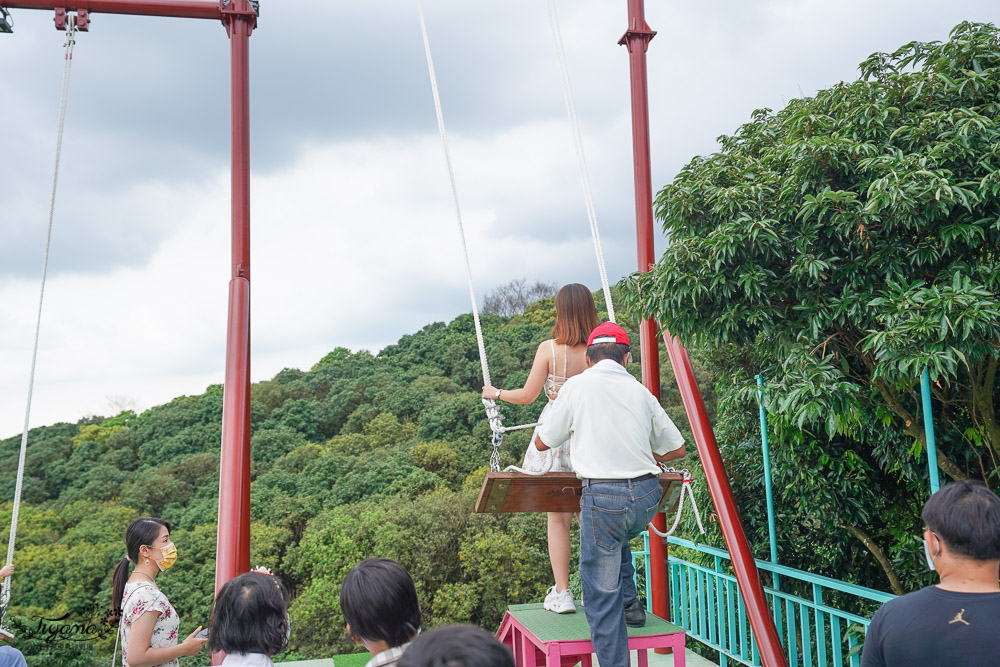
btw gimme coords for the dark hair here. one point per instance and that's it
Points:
(966, 516)
(250, 615)
(614, 351)
(576, 315)
(457, 646)
(140, 532)
(379, 601)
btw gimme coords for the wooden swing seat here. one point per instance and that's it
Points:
(551, 492)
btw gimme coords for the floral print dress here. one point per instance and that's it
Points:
(139, 598)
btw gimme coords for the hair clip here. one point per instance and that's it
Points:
(263, 570)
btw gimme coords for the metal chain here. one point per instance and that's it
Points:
(5, 591)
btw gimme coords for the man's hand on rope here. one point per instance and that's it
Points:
(6, 571)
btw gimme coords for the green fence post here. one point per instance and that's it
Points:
(769, 495)
(820, 626)
(925, 391)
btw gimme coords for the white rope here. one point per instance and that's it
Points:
(454, 194)
(685, 488)
(580, 157)
(492, 409)
(5, 592)
(533, 473)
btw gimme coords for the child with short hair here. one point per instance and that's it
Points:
(250, 620)
(380, 606)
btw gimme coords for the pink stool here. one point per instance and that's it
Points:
(538, 637)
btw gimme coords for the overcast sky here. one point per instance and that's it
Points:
(354, 241)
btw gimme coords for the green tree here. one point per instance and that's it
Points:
(840, 246)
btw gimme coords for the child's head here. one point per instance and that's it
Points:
(457, 646)
(379, 602)
(250, 616)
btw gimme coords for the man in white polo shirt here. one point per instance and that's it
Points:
(619, 432)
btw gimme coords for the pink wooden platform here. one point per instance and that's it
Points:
(541, 638)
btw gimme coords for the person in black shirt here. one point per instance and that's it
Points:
(956, 622)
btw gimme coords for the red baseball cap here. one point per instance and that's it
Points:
(609, 332)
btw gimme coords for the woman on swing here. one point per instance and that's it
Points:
(556, 360)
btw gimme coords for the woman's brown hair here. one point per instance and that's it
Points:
(576, 315)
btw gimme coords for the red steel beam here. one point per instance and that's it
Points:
(637, 40)
(191, 9)
(233, 546)
(239, 18)
(747, 577)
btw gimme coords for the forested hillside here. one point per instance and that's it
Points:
(363, 455)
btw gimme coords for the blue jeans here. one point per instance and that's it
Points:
(611, 514)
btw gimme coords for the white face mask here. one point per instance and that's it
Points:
(927, 552)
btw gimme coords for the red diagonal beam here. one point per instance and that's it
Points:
(190, 9)
(747, 577)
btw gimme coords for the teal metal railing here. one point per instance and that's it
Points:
(705, 600)
(644, 567)
(925, 395)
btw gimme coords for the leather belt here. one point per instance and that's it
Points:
(642, 478)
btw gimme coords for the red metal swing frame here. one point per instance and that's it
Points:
(233, 551)
(239, 19)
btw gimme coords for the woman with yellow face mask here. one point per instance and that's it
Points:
(147, 622)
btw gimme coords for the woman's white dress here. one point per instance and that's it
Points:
(556, 459)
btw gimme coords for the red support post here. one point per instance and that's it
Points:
(747, 577)
(233, 550)
(239, 18)
(637, 40)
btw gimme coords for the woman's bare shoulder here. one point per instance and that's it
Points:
(545, 346)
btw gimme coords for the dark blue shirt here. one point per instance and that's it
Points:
(935, 627)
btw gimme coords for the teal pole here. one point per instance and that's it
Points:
(925, 392)
(767, 473)
(767, 470)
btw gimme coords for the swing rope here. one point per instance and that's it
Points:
(598, 248)
(454, 193)
(493, 413)
(588, 196)
(685, 488)
(580, 157)
(5, 591)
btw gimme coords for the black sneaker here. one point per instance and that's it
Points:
(635, 615)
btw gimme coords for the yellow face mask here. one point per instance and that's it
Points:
(169, 556)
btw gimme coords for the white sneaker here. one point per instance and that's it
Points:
(560, 603)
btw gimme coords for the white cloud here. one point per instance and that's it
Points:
(354, 240)
(354, 245)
